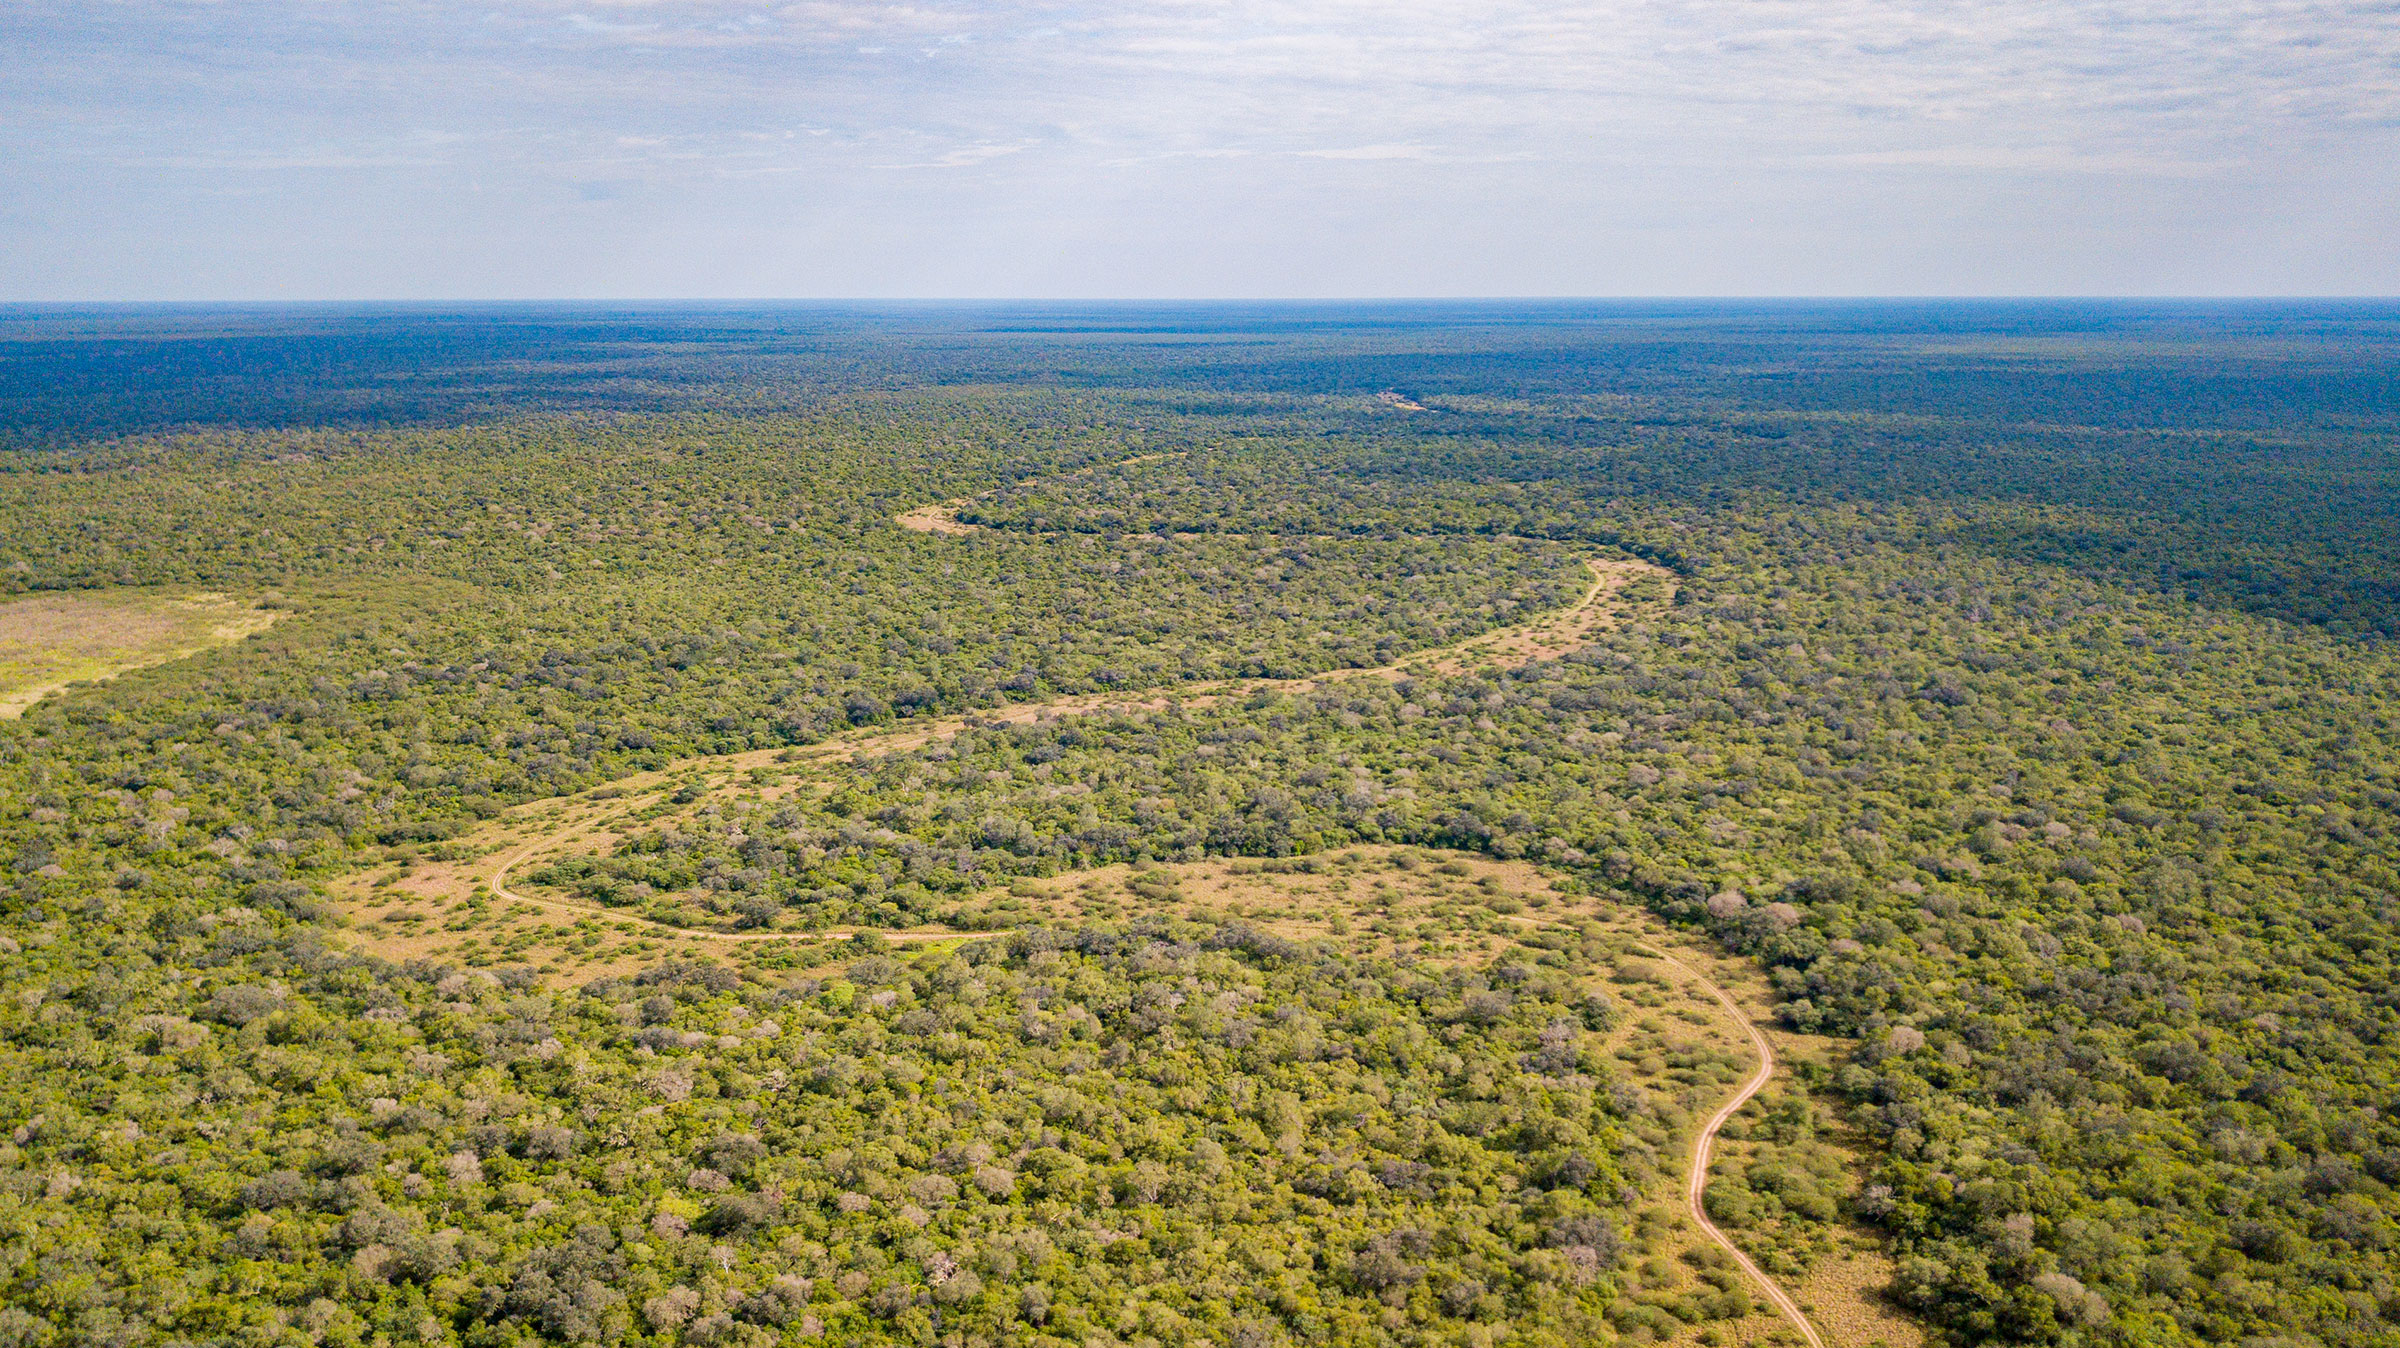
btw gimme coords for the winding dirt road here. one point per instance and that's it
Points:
(1546, 637)
(1696, 1182)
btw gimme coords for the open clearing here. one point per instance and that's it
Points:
(941, 518)
(50, 641)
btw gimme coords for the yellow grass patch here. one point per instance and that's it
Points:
(936, 519)
(50, 641)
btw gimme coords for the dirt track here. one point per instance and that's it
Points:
(1703, 1149)
(1545, 638)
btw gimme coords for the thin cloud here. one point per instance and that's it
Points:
(202, 163)
(2032, 159)
(585, 23)
(1168, 156)
(964, 157)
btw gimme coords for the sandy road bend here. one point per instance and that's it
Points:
(1509, 646)
(1696, 1183)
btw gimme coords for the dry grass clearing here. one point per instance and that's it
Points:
(1673, 1042)
(1554, 635)
(596, 821)
(50, 641)
(941, 518)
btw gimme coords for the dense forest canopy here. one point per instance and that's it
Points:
(2019, 695)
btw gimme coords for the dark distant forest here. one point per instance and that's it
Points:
(2026, 706)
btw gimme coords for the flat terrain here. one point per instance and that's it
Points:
(463, 903)
(50, 641)
(1271, 896)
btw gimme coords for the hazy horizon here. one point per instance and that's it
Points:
(1828, 298)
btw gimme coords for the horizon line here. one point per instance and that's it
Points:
(1122, 300)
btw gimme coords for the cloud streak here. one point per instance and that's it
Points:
(965, 156)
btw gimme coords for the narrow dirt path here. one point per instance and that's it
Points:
(1545, 637)
(1548, 636)
(1696, 1183)
(1703, 1150)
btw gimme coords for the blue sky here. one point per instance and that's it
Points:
(198, 149)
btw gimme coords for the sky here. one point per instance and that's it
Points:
(356, 149)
